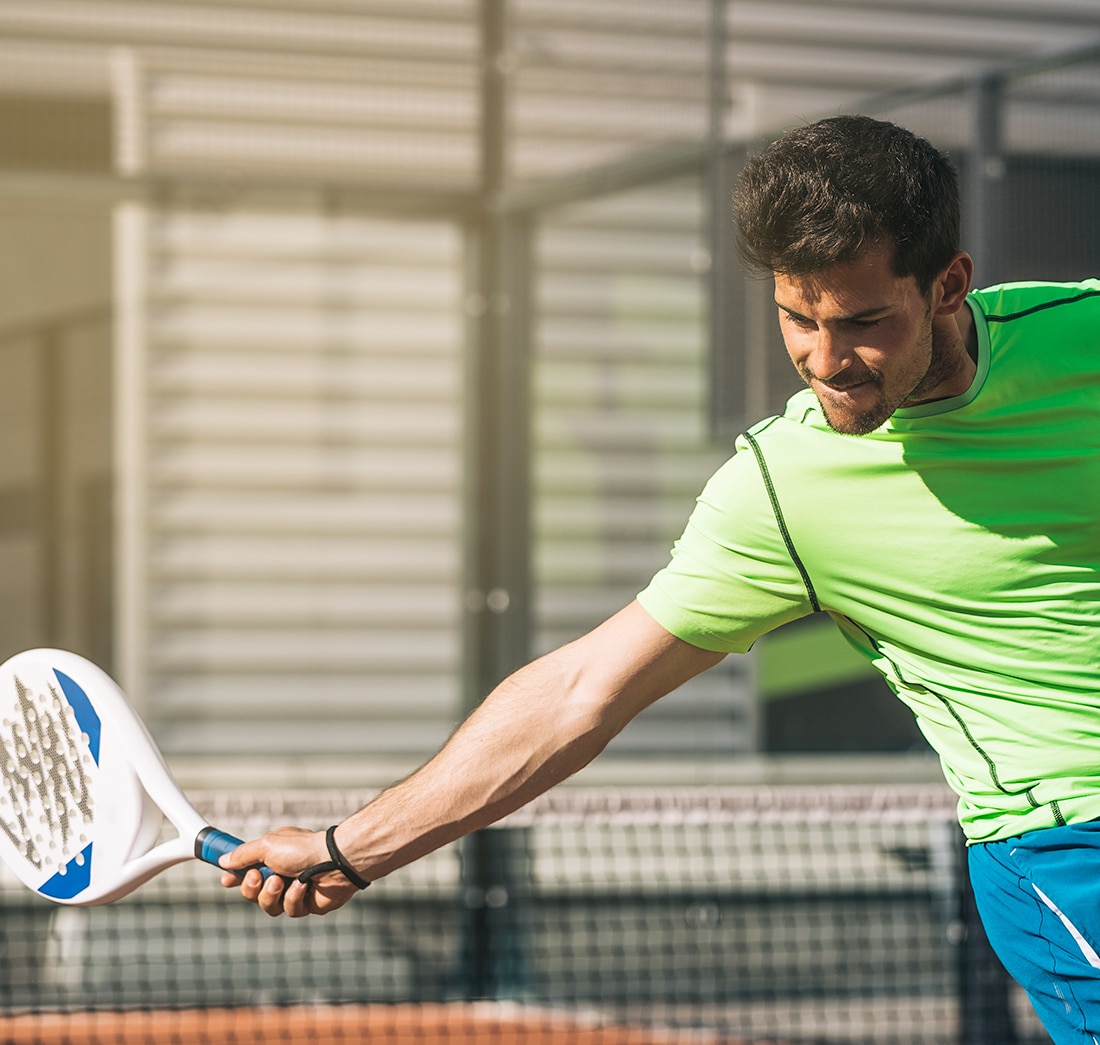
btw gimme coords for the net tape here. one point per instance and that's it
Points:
(907, 803)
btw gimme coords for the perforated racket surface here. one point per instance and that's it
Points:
(86, 794)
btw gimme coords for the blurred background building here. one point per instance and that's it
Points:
(352, 352)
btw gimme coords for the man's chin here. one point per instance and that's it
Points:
(855, 410)
(848, 422)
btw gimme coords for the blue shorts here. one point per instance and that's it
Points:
(1039, 899)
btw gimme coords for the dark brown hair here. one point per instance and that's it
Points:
(823, 194)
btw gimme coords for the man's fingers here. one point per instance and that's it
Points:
(298, 900)
(270, 895)
(250, 882)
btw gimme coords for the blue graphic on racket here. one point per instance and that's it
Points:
(86, 794)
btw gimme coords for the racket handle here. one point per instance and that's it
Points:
(210, 844)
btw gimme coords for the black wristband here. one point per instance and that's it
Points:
(337, 863)
(348, 871)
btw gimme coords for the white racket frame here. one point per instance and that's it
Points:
(134, 792)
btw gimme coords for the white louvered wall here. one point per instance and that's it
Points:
(301, 483)
(294, 582)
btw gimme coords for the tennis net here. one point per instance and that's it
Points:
(723, 916)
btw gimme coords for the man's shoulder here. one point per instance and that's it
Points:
(1005, 303)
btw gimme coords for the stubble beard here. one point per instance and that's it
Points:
(863, 422)
(848, 421)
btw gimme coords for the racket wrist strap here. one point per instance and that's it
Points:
(338, 862)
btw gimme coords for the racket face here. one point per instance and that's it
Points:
(72, 808)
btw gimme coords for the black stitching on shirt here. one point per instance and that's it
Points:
(1041, 307)
(787, 540)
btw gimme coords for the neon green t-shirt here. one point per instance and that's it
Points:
(957, 547)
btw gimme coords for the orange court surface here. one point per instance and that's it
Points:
(440, 1024)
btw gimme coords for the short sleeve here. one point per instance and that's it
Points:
(730, 578)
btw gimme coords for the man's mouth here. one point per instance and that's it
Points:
(846, 386)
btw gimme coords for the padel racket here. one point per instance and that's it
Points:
(86, 798)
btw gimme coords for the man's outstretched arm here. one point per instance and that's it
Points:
(539, 726)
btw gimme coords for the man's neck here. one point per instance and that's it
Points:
(968, 331)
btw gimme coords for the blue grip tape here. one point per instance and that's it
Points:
(211, 844)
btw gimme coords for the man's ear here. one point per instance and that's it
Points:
(953, 284)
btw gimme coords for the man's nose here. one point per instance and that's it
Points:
(830, 355)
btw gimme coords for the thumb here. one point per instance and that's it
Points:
(248, 854)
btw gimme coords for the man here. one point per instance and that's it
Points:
(936, 490)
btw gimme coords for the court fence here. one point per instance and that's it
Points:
(728, 916)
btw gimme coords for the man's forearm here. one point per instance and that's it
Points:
(530, 733)
(538, 727)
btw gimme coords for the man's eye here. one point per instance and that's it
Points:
(800, 321)
(864, 324)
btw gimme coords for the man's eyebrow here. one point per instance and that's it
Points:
(855, 317)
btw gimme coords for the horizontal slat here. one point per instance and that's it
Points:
(621, 387)
(189, 605)
(564, 563)
(293, 282)
(625, 296)
(649, 252)
(638, 517)
(304, 466)
(378, 560)
(350, 103)
(308, 376)
(364, 332)
(671, 208)
(581, 339)
(424, 159)
(323, 513)
(660, 431)
(329, 735)
(373, 651)
(616, 47)
(228, 420)
(548, 116)
(313, 236)
(324, 689)
(272, 29)
(650, 17)
(634, 478)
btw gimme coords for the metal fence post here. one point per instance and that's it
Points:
(985, 177)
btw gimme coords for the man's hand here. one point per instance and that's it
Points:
(288, 852)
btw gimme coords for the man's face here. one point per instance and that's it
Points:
(864, 340)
